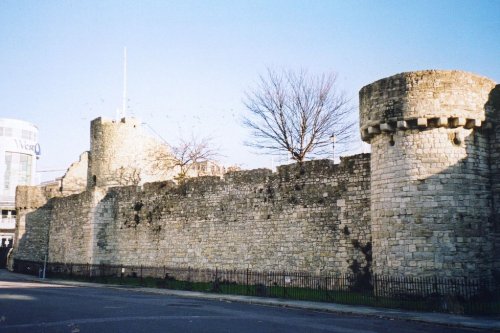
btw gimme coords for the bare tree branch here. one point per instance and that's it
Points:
(186, 156)
(297, 113)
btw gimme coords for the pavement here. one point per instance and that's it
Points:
(491, 323)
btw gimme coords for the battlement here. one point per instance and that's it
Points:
(422, 99)
(125, 120)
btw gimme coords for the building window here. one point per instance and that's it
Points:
(17, 171)
(24, 169)
(28, 135)
(8, 171)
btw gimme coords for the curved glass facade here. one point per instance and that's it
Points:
(19, 150)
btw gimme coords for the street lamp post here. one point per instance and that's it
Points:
(333, 138)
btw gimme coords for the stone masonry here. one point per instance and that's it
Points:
(427, 197)
(121, 154)
(431, 199)
(313, 217)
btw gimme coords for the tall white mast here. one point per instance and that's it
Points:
(124, 107)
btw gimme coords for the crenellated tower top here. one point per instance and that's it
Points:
(431, 98)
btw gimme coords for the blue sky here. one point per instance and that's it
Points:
(190, 62)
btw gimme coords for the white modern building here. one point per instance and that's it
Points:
(19, 150)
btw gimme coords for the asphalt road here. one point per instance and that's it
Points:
(37, 307)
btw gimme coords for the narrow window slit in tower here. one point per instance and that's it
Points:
(391, 140)
(457, 140)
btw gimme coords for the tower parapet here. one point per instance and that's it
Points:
(423, 99)
(121, 154)
(431, 181)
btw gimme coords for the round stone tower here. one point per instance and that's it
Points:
(431, 198)
(121, 154)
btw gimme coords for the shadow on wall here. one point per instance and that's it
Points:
(445, 222)
(33, 245)
(493, 106)
(106, 212)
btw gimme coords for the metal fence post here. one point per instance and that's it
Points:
(247, 284)
(284, 284)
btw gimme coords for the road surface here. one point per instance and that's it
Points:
(27, 306)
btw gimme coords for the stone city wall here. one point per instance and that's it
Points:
(431, 183)
(34, 212)
(494, 130)
(310, 218)
(75, 179)
(428, 196)
(71, 229)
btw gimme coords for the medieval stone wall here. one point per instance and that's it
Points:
(34, 212)
(428, 196)
(311, 218)
(72, 227)
(75, 178)
(431, 195)
(493, 109)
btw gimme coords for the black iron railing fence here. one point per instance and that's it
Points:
(453, 295)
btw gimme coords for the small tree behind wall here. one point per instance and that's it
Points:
(188, 153)
(298, 113)
(183, 158)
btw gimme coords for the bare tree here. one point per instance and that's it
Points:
(298, 113)
(190, 153)
(128, 176)
(185, 157)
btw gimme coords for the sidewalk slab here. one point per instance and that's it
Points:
(488, 323)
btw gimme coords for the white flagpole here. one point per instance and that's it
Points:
(124, 108)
